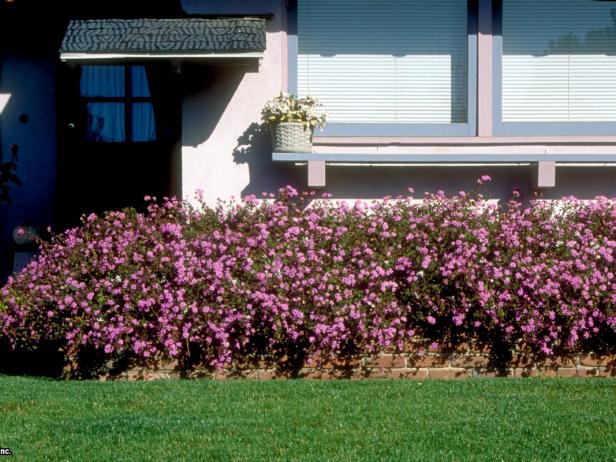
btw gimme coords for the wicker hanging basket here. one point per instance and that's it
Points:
(291, 137)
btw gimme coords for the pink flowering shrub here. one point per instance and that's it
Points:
(291, 279)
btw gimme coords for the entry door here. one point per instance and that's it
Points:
(118, 127)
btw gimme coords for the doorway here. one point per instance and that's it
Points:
(119, 125)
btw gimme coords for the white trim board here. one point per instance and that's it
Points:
(461, 158)
(121, 56)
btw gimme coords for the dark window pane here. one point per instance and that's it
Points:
(106, 122)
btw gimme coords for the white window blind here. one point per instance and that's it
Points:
(385, 61)
(559, 61)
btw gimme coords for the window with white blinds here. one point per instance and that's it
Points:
(558, 61)
(385, 61)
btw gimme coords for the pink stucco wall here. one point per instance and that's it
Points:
(225, 156)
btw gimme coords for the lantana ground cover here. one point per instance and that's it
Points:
(294, 278)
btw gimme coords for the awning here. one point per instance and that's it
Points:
(180, 38)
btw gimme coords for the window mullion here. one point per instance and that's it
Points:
(128, 109)
(485, 69)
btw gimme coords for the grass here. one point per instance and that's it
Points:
(526, 419)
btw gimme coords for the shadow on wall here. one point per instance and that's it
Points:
(583, 182)
(208, 90)
(377, 182)
(374, 182)
(254, 148)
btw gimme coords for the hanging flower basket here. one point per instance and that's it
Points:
(291, 137)
(292, 122)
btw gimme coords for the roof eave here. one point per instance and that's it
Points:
(96, 57)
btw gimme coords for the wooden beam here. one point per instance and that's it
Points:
(316, 174)
(544, 174)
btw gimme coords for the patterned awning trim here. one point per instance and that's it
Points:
(164, 36)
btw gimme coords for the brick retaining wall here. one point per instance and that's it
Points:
(409, 366)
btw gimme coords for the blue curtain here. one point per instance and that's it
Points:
(106, 120)
(102, 81)
(144, 127)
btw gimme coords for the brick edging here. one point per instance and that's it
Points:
(439, 366)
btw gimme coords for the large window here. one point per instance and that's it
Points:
(388, 67)
(119, 104)
(555, 63)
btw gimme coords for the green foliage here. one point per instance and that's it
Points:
(282, 282)
(8, 175)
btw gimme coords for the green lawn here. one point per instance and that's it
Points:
(490, 420)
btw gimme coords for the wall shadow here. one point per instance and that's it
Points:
(207, 92)
(376, 182)
(254, 148)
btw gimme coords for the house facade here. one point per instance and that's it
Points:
(109, 103)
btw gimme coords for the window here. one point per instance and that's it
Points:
(387, 68)
(555, 67)
(119, 104)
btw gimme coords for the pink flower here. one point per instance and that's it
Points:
(484, 179)
(258, 277)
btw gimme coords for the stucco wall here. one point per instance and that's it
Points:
(30, 79)
(224, 152)
(224, 156)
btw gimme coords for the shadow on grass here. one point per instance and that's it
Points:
(45, 361)
(289, 361)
